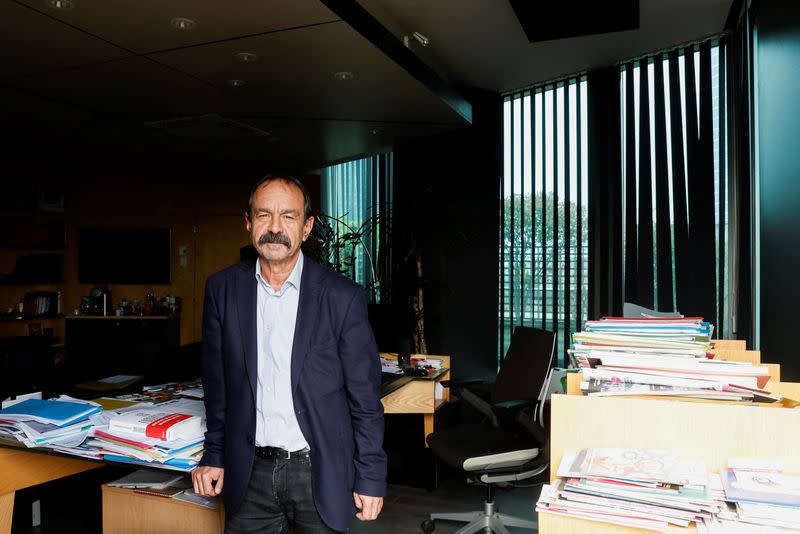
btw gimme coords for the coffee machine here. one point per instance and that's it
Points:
(98, 302)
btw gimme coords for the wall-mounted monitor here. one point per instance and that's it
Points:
(124, 256)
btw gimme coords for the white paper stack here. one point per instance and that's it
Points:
(662, 358)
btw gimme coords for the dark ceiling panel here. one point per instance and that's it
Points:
(132, 86)
(84, 84)
(145, 26)
(294, 77)
(545, 21)
(377, 34)
(32, 43)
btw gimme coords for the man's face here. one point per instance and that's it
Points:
(277, 226)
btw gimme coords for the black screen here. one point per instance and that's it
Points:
(124, 255)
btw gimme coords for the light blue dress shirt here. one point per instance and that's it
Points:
(276, 423)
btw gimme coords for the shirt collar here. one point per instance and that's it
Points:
(293, 280)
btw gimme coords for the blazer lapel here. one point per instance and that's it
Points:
(307, 316)
(246, 300)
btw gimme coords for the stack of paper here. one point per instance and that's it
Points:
(758, 501)
(146, 478)
(137, 447)
(63, 422)
(648, 489)
(665, 358)
(60, 412)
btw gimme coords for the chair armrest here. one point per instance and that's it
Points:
(538, 432)
(460, 383)
(514, 405)
(479, 404)
(508, 411)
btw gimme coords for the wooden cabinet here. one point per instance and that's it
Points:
(128, 512)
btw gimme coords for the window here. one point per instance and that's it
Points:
(355, 222)
(544, 241)
(675, 182)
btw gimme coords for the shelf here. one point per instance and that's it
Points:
(17, 318)
(40, 283)
(121, 317)
(33, 249)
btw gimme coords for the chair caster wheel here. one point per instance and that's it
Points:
(428, 526)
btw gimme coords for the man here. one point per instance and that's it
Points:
(292, 382)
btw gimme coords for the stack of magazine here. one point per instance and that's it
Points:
(663, 358)
(653, 489)
(640, 488)
(758, 500)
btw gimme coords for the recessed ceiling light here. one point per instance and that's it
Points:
(236, 83)
(343, 75)
(375, 131)
(182, 23)
(246, 57)
(61, 4)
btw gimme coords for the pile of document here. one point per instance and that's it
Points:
(173, 439)
(60, 424)
(758, 500)
(641, 488)
(662, 357)
(182, 453)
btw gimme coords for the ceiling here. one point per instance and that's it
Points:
(111, 75)
(114, 76)
(480, 43)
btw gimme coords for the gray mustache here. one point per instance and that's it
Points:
(273, 237)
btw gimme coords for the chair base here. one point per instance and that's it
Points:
(487, 521)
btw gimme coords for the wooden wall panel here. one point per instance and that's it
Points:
(219, 239)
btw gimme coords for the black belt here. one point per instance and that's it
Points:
(276, 453)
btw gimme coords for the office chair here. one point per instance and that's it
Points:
(513, 446)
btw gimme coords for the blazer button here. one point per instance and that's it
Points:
(250, 440)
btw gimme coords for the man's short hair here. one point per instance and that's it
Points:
(289, 180)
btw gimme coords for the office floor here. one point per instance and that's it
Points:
(403, 512)
(405, 508)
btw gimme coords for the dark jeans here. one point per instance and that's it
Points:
(279, 494)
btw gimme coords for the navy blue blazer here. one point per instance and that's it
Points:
(335, 374)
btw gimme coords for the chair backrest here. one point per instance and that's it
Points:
(525, 367)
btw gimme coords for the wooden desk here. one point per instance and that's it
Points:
(22, 469)
(419, 396)
(128, 512)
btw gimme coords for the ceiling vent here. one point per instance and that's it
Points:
(207, 127)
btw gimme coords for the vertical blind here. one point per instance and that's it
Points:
(356, 204)
(674, 181)
(543, 206)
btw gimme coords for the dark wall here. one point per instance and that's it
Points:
(778, 79)
(446, 204)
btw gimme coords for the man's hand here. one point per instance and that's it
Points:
(370, 506)
(203, 479)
